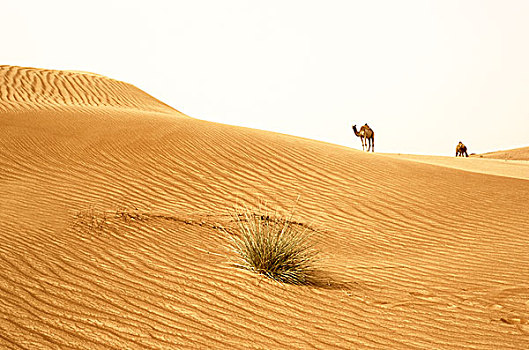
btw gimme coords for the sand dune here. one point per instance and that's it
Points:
(29, 89)
(514, 154)
(110, 199)
(509, 166)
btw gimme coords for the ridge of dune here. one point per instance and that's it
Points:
(511, 167)
(521, 153)
(109, 239)
(23, 89)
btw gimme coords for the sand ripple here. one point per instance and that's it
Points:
(107, 224)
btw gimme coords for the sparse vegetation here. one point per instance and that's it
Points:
(273, 246)
(91, 219)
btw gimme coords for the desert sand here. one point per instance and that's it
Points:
(493, 163)
(110, 202)
(515, 154)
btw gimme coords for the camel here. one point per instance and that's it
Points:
(461, 150)
(367, 136)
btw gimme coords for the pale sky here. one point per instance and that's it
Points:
(423, 74)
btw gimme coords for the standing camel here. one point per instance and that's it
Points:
(367, 136)
(461, 150)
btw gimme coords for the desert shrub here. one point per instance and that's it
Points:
(273, 246)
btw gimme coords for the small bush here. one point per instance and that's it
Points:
(275, 247)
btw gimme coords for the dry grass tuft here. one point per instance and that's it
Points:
(273, 246)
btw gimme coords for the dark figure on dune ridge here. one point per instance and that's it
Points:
(367, 136)
(461, 150)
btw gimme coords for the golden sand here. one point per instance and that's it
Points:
(109, 201)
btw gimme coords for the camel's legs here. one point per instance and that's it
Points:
(370, 145)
